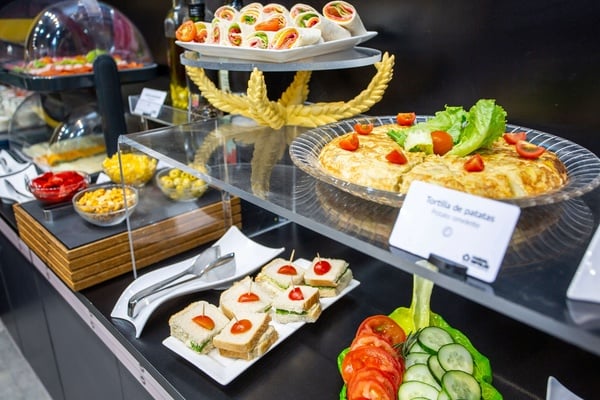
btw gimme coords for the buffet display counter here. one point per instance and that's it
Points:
(522, 321)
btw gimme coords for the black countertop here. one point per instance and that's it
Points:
(304, 365)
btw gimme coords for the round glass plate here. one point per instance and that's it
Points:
(583, 166)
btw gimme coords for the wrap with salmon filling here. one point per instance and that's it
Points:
(345, 15)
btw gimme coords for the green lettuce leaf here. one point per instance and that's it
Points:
(485, 124)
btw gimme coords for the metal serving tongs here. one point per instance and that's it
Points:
(203, 264)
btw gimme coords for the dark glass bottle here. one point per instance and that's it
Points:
(197, 10)
(178, 89)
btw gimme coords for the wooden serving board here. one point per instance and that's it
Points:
(83, 255)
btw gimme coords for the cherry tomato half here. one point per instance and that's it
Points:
(296, 294)
(241, 326)
(370, 383)
(322, 267)
(406, 119)
(363, 129)
(204, 321)
(186, 31)
(350, 142)
(287, 270)
(514, 137)
(396, 157)
(474, 163)
(442, 142)
(529, 150)
(248, 297)
(384, 327)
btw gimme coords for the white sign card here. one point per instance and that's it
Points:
(150, 102)
(469, 230)
(585, 285)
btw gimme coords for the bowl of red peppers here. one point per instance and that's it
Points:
(58, 187)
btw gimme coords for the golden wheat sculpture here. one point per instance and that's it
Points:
(291, 108)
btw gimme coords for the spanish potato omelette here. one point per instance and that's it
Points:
(506, 175)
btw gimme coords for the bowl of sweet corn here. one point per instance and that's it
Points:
(138, 168)
(106, 205)
(180, 185)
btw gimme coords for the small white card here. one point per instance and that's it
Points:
(469, 230)
(585, 285)
(150, 102)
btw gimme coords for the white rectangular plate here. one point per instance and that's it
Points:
(277, 56)
(223, 369)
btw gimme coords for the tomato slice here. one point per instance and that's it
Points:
(241, 326)
(248, 297)
(372, 339)
(322, 267)
(371, 357)
(363, 129)
(474, 163)
(350, 142)
(529, 150)
(442, 142)
(296, 294)
(287, 270)
(186, 31)
(396, 157)
(370, 383)
(406, 119)
(383, 326)
(204, 321)
(514, 137)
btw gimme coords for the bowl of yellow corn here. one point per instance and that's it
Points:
(107, 204)
(180, 185)
(138, 168)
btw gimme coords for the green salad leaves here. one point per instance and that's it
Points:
(477, 128)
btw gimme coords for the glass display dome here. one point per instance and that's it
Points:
(85, 28)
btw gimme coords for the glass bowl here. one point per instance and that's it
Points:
(104, 205)
(58, 187)
(179, 185)
(138, 168)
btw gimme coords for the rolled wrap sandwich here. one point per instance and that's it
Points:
(274, 8)
(203, 31)
(227, 13)
(234, 35)
(292, 37)
(300, 8)
(345, 15)
(329, 29)
(250, 15)
(258, 40)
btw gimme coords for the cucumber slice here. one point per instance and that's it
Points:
(410, 390)
(454, 356)
(443, 395)
(461, 385)
(415, 358)
(432, 338)
(434, 366)
(416, 348)
(420, 373)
